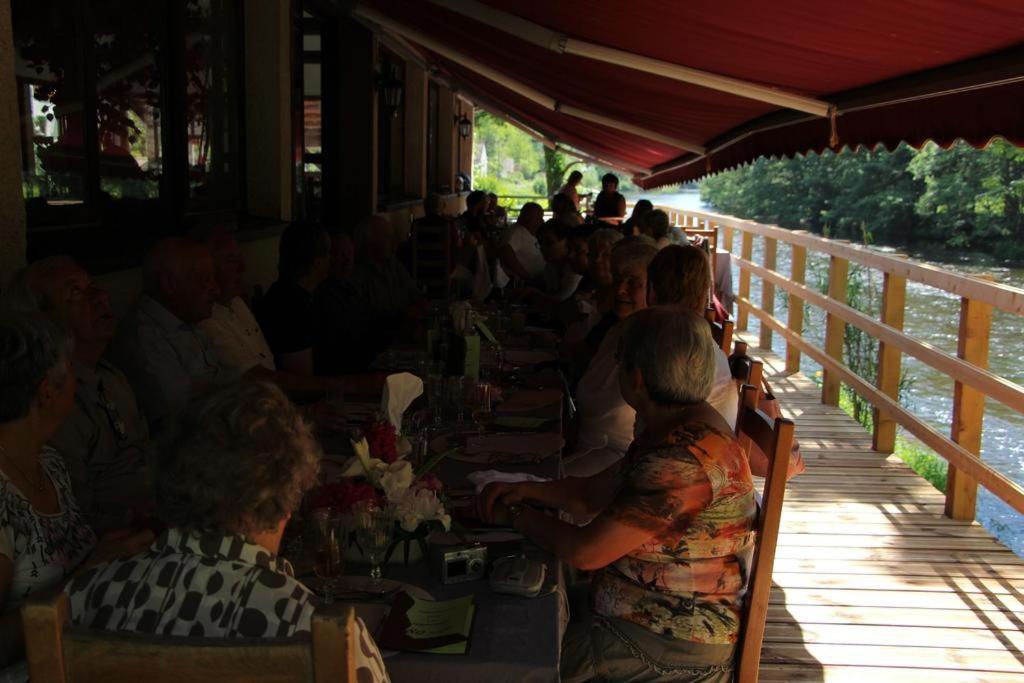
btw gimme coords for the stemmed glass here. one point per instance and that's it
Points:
(482, 406)
(328, 560)
(374, 528)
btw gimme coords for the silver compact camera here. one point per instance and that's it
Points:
(458, 563)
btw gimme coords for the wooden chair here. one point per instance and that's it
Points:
(431, 255)
(773, 438)
(60, 653)
(722, 332)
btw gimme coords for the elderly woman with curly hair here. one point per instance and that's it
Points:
(228, 476)
(672, 525)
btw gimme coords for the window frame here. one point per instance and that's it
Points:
(86, 230)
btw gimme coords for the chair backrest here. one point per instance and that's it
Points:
(772, 437)
(60, 653)
(722, 332)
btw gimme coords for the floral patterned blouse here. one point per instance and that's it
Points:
(694, 491)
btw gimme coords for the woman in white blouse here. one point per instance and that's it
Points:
(43, 537)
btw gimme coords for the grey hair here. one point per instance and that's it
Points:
(674, 351)
(237, 460)
(32, 348)
(632, 253)
(604, 236)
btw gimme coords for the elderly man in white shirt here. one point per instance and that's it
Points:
(520, 255)
(159, 345)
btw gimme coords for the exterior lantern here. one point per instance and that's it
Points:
(390, 89)
(465, 125)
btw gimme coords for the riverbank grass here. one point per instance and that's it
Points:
(919, 457)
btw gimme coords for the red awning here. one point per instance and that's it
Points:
(910, 71)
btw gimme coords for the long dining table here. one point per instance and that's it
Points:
(513, 638)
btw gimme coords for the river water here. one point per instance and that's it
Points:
(932, 316)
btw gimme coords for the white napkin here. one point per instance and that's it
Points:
(400, 390)
(482, 478)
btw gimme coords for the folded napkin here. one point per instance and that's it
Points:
(484, 477)
(526, 400)
(514, 444)
(400, 390)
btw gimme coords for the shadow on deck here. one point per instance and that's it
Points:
(871, 581)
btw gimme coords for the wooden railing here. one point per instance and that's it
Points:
(968, 369)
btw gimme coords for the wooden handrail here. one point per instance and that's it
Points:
(992, 385)
(968, 368)
(1003, 297)
(996, 482)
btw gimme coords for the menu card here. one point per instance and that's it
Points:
(435, 626)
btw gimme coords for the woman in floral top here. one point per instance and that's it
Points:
(671, 535)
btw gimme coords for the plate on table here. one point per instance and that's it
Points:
(499, 449)
(529, 400)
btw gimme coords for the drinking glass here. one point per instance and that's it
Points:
(374, 528)
(457, 397)
(435, 396)
(328, 561)
(482, 406)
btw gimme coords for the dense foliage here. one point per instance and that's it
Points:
(961, 198)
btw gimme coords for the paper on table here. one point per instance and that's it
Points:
(439, 627)
(400, 390)
(482, 478)
(539, 444)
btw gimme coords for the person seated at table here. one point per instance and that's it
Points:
(600, 291)
(672, 530)
(286, 311)
(495, 211)
(631, 226)
(386, 289)
(104, 441)
(43, 535)
(655, 225)
(564, 210)
(228, 477)
(239, 341)
(680, 276)
(559, 279)
(345, 340)
(570, 188)
(159, 345)
(609, 203)
(520, 255)
(605, 420)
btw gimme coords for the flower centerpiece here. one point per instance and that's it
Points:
(379, 473)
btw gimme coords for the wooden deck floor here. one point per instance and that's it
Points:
(872, 582)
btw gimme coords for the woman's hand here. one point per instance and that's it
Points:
(495, 499)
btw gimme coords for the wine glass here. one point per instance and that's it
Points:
(482, 406)
(374, 528)
(328, 561)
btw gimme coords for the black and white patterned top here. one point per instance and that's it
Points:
(205, 585)
(44, 549)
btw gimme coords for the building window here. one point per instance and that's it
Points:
(312, 112)
(128, 112)
(390, 133)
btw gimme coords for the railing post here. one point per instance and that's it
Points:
(771, 250)
(746, 253)
(797, 272)
(894, 293)
(726, 238)
(968, 406)
(835, 328)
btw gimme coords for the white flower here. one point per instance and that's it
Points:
(395, 479)
(418, 506)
